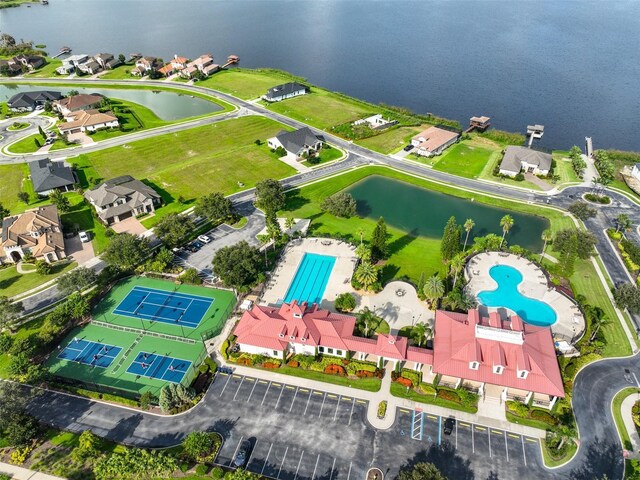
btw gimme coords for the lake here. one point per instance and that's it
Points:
(571, 66)
(423, 212)
(167, 106)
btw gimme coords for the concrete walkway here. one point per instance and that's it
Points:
(20, 269)
(627, 418)
(24, 473)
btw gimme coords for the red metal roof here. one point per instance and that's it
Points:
(464, 338)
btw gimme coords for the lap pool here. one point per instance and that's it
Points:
(310, 280)
(507, 295)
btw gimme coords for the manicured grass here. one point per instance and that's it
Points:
(17, 126)
(26, 144)
(327, 154)
(240, 223)
(466, 159)
(617, 415)
(391, 140)
(322, 109)
(49, 70)
(530, 422)
(369, 384)
(245, 84)
(119, 73)
(81, 218)
(400, 391)
(13, 283)
(193, 162)
(564, 168)
(12, 176)
(551, 462)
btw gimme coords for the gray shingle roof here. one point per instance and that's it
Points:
(47, 175)
(125, 186)
(31, 99)
(514, 156)
(297, 140)
(285, 89)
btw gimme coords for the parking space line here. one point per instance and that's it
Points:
(523, 452)
(349, 474)
(299, 461)
(236, 451)
(255, 384)
(333, 468)
(456, 435)
(279, 397)
(335, 414)
(266, 459)
(473, 441)
(225, 385)
(351, 414)
(307, 405)
(238, 389)
(506, 448)
(489, 436)
(265, 394)
(294, 400)
(323, 400)
(314, 468)
(439, 430)
(282, 462)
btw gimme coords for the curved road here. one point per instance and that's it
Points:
(600, 451)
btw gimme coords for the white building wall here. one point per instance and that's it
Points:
(260, 351)
(301, 349)
(335, 352)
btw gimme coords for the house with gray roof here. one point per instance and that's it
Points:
(28, 101)
(121, 198)
(517, 159)
(284, 91)
(298, 144)
(48, 176)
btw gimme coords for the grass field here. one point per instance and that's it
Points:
(327, 154)
(245, 84)
(13, 283)
(193, 162)
(26, 144)
(12, 177)
(80, 218)
(466, 159)
(119, 73)
(391, 140)
(49, 70)
(617, 415)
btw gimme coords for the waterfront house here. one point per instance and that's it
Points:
(28, 101)
(47, 176)
(517, 159)
(72, 62)
(90, 67)
(30, 62)
(88, 121)
(298, 143)
(37, 231)
(433, 141)
(166, 70)
(121, 198)
(106, 60)
(82, 101)
(284, 91)
(203, 64)
(179, 63)
(144, 65)
(10, 68)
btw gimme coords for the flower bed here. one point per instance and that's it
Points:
(382, 409)
(404, 382)
(335, 370)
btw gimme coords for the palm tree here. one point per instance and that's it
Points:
(546, 236)
(366, 274)
(623, 222)
(434, 290)
(468, 226)
(421, 331)
(363, 252)
(597, 320)
(361, 233)
(566, 434)
(365, 318)
(506, 223)
(456, 265)
(289, 223)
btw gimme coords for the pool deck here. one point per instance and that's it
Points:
(339, 280)
(570, 323)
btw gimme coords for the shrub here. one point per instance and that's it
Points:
(365, 374)
(345, 302)
(635, 413)
(405, 382)
(446, 394)
(190, 275)
(217, 472)
(201, 469)
(6, 341)
(518, 408)
(293, 363)
(42, 267)
(543, 416)
(19, 455)
(428, 389)
(203, 368)
(353, 367)
(519, 177)
(335, 370)
(245, 361)
(382, 409)
(224, 349)
(271, 365)
(415, 377)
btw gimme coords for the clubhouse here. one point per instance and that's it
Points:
(508, 359)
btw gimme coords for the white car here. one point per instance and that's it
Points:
(84, 237)
(204, 238)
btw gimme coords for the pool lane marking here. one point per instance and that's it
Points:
(265, 394)
(351, 414)
(255, 384)
(291, 408)
(298, 468)
(307, 405)
(282, 462)
(266, 459)
(238, 389)
(225, 385)
(322, 406)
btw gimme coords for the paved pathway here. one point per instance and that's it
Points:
(629, 424)
(20, 473)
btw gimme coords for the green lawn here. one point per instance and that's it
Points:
(617, 415)
(391, 140)
(81, 218)
(245, 84)
(327, 154)
(193, 162)
(400, 391)
(12, 176)
(369, 384)
(466, 159)
(49, 70)
(26, 144)
(119, 73)
(487, 174)
(13, 283)
(564, 168)
(552, 462)
(17, 126)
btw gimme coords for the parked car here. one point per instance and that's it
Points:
(242, 454)
(204, 238)
(84, 237)
(408, 148)
(197, 244)
(449, 424)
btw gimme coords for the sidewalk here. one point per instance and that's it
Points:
(24, 473)
(632, 430)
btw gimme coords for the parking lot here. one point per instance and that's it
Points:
(283, 448)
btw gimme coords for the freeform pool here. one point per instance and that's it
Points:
(311, 278)
(507, 295)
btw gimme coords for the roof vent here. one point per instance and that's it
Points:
(291, 337)
(281, 335)
(302, 339)
(391, 340)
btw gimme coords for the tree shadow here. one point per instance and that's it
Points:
(123, 430)
(7, 282)
(444, 457)
(603, 457)
(363, 208)
(388, 272)
(81, 176)
(167, 198)
(402, 241)
(295, 201)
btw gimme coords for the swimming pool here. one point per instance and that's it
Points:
(507, 295)
(310, 280)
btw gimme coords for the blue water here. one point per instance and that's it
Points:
(311, 278)
(506, 295)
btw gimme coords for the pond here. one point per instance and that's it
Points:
(419, 211)
(168, 106)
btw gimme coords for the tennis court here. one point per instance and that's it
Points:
(91, 353)
(159, 366)
(167, 307)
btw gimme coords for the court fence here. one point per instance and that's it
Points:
(145, 332)
(193, 370)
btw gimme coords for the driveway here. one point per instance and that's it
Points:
(129, 225)
(79, 251)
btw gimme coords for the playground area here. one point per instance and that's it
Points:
(144, 333)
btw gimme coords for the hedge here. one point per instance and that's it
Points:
(415, 377)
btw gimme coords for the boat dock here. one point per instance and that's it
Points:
(63, 51)
(231, 59)
(478, 123)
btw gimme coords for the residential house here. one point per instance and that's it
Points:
(433, 141)
(284, 91)
(82, 101)
(517, 159)
(144, 65)
(121, 198)
(106, 61)
(47, 176)
(90, 67)
(376, 122)
(203, 64)
(72, 62)
(166, 70)
(37, 231)
(30, 62)
(179, 63)
(10, 68)
(88, 121)
(298, 143)
(635, 171)
(29, 101)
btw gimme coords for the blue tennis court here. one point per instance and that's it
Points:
(310, 280)
(159, 366)
(165, 307)
(95, 354)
